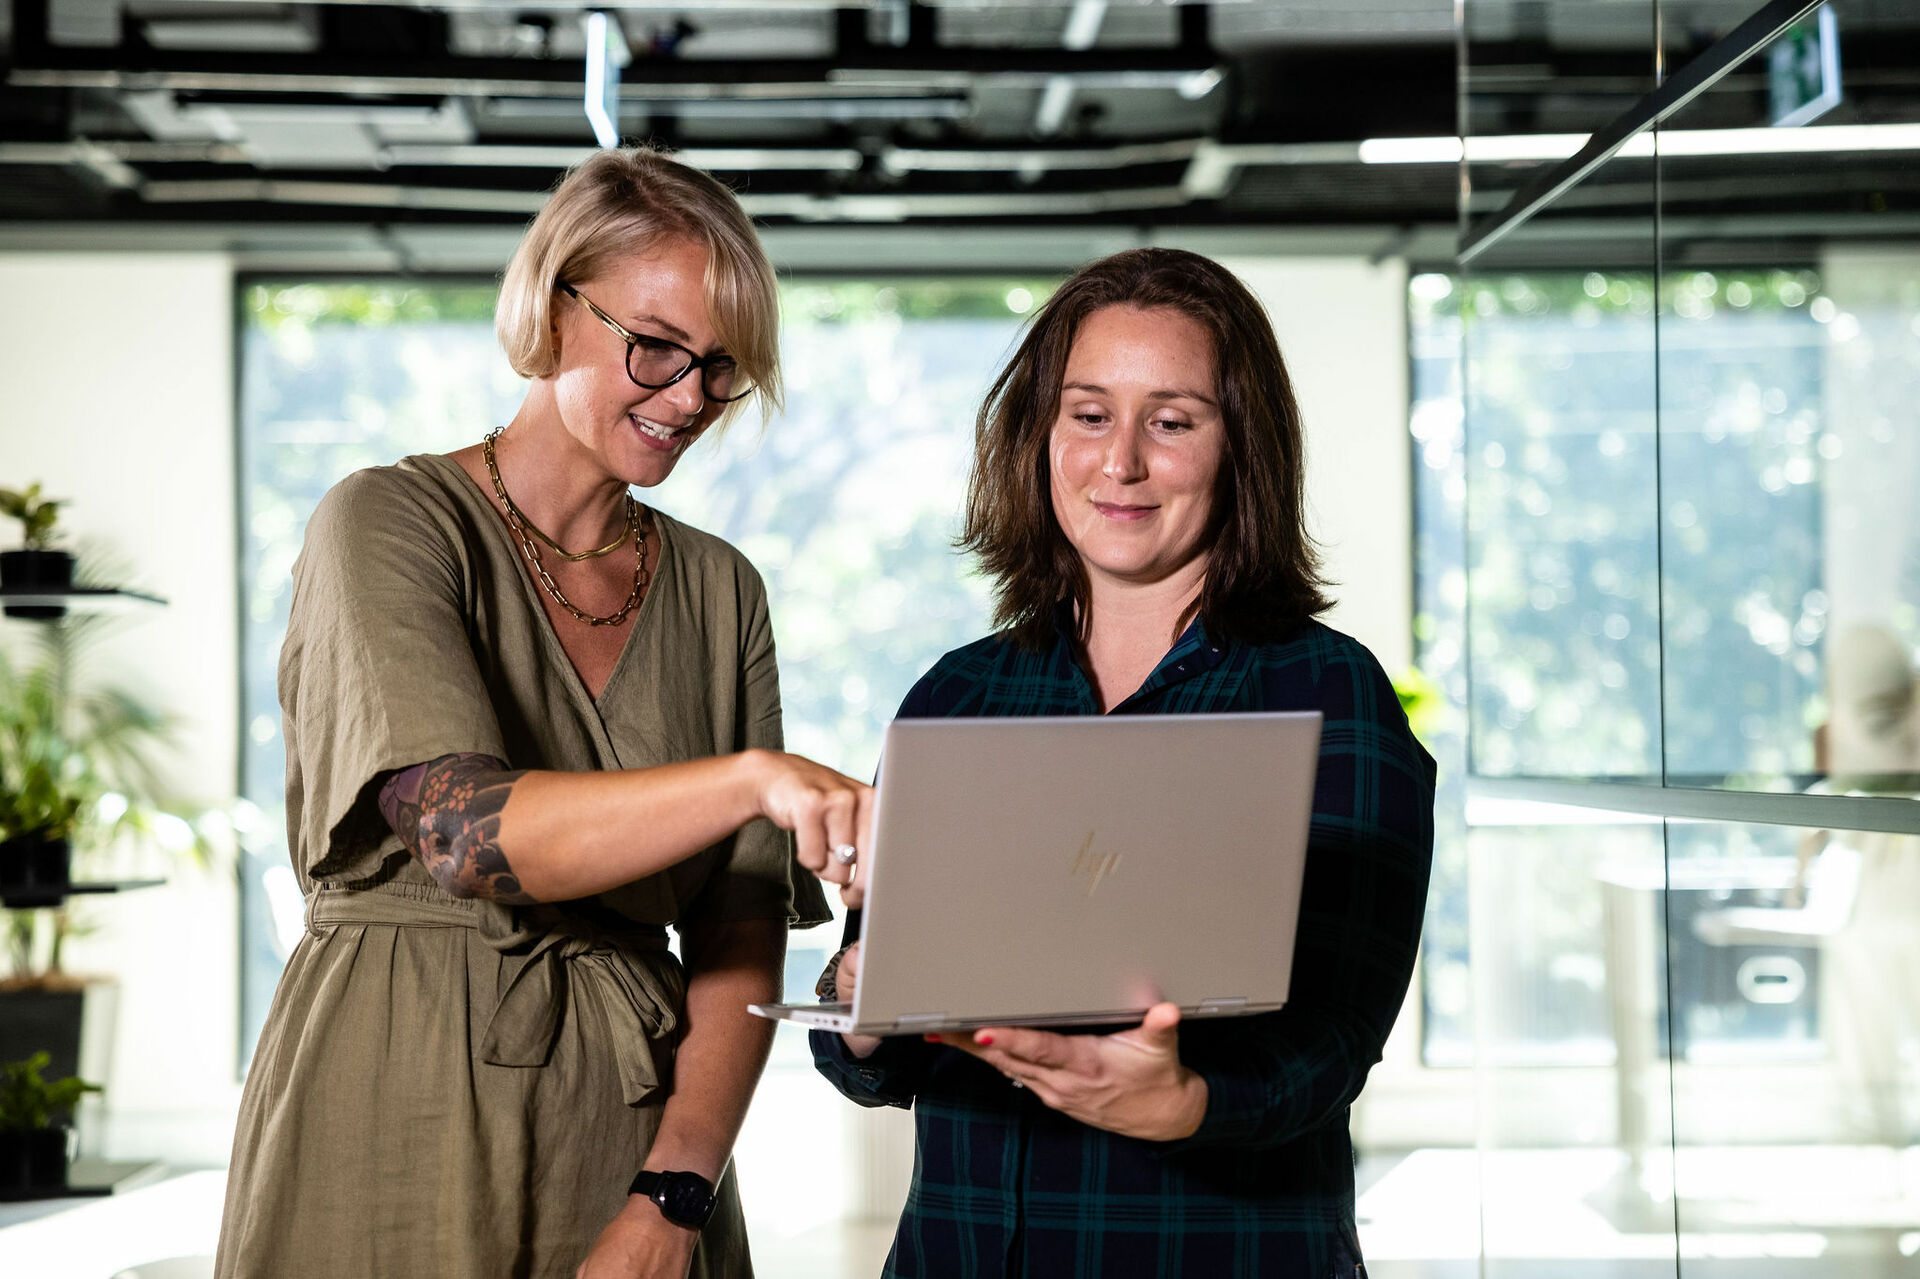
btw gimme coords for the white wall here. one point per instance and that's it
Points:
(118, 390)
(1342, 326)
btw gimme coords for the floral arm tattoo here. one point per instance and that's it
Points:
(447, 812)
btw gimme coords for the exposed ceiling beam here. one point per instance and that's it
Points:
(1214, 165)
(513, 78)
(858, 66)
(840, 108)
(1036, 159)
(582, 6)
(725, 159)
(1211, 165)
(483, 155)
(803, 208)
(897, 159)
(280, 246)
(400, 84)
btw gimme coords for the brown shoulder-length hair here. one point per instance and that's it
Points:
(1263, 572)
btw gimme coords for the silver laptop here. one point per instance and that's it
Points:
(1076, 871)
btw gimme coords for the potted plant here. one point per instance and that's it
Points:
(35, 1124)
(37, 816)
(40, 803)
(1423, 702)
(77, 777)
(44, 783)
(36, 566)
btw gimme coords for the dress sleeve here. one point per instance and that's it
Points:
(1274, 1076)
(758, 876)
(377, 670)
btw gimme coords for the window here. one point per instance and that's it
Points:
(334, 376)
(1685, 642)
(846, 503)
(1607, 643)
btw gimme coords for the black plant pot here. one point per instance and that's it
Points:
(33, 1160)
(36, 570)
(34, 863)
(45, 1021)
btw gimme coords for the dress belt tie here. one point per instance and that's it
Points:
(633, 979)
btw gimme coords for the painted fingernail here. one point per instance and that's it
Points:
(932, 1039)
(983, 1039)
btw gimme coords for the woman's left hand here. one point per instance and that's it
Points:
(639, 1243)
(1131, 1083)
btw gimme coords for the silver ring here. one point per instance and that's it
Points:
(845, 853)
(1015, 1082)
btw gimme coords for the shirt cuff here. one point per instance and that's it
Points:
(1235, 1106)
(869, 1074)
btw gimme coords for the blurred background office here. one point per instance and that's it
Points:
(1605, 316)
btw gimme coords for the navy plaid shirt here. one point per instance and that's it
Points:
(1003, 1186)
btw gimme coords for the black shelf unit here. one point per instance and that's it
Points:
(39, 605)
(42, 896)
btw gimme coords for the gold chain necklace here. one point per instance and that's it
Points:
(636, 529)
(574, 557)
(571, 556)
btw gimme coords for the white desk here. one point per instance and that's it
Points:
(1631, 896)
(97, 1237)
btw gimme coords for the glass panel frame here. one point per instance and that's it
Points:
(1761, 1133)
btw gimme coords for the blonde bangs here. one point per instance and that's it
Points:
(743, 304)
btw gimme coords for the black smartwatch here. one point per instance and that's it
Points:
(684, 1198)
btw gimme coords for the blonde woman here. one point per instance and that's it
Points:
(530, 725)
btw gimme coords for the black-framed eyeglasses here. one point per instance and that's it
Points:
(655, 364)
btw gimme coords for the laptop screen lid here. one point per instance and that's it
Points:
(1077, 870)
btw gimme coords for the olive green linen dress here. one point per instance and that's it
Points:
(460, 1088)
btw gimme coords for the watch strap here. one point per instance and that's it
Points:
(684, 1198)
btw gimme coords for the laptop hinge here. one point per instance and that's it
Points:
(909, 1020)
(1231, 1003)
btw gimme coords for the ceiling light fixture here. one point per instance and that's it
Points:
(1199, 84)
(1500, 148)
(607, 53)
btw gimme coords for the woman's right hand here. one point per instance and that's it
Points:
(823, 808)
(846, 978)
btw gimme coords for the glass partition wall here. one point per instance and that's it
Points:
(1684, 627)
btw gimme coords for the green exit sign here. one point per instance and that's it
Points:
(1803, 70)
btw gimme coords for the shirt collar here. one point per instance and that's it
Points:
(1194, 653)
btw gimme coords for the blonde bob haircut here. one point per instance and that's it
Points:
(621, 202)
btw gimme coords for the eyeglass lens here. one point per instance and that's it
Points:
(656, 364)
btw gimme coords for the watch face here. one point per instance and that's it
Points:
(685, 1198)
